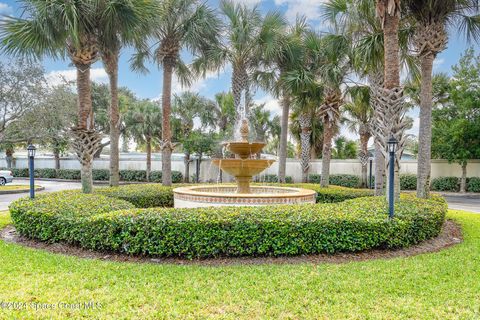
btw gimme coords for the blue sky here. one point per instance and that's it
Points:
(149, 85)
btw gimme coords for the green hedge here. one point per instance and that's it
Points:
(446, 184)
(473, 184)
(408, 182)
(343, 180)
(141, 195)
(354, 225)
(333, 194)
(98, 174)
(271, 178)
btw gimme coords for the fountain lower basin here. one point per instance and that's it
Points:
(226, 195)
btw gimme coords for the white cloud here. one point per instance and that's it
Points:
(308, 8)
(249, 3)
(5, 8)
(58, 76)
(437, 63)
(271, 104)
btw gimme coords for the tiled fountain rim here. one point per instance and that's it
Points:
(263, 192)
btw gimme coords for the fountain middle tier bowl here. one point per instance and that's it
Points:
(226, 195)
(244, 149)
(243, 167)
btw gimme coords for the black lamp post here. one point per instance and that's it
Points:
(392, 148)
(31, 155)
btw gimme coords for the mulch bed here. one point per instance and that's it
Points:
(451, 235)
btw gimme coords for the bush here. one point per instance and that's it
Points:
(141, 195)
(343, 180)
(68, 174)
(408, 182)
(334, 194)
(101, 174)
(446, 184)
(359, 224)
(133, 175)
(271, 178)
(46, 173)
(473, 184)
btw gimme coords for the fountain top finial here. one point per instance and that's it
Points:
(244, 130)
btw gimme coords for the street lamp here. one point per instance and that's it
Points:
(31, 155)
(392, 148)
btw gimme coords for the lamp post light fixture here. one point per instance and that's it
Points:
(31, 155)
(392, 148)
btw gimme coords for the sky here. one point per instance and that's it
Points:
(149, 85)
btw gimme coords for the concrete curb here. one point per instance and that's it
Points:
(20, 191)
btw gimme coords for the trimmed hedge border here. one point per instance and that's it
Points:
(97, 174)
(105, 221)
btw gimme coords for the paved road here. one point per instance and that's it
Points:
(50, 186)
(459, 202)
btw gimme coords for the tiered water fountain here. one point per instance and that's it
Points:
(243, 168)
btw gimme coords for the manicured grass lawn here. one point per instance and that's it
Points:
(444, 285)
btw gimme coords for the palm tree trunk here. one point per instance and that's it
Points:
(85, 125)
(326, 153)
(463, 181)
(364, 137)
(282, 154)
(391, 47)
(111, 67)
(56, 155)
(379, 170)
(186, 161)
(305, 146)
(149, 156)
(425, 131)
(166, 144)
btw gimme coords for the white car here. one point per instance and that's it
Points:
(5, 177)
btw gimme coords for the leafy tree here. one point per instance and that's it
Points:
(344, 148)
(188, 108)
(58, 29)
(200, 144)
(180, 24)
(456, 125)
(21, 91)
(433, 18)
(144, 124)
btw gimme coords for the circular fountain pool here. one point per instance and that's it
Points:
(226, 195)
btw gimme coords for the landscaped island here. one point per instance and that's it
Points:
(140, 220)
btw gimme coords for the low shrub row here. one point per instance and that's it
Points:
(92, 222)
(343, 180)
(141, 195)
(98, 174)
(271, 178)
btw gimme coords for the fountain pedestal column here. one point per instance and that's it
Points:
(243, 184)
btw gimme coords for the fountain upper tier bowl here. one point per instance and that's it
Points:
(241, 167)
(226, 195)
(244, 149)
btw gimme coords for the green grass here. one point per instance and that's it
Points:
(442, 285)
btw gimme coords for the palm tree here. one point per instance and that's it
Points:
(180, 24)
(359, 117)
(333, 66)
(144, 123)
(58, 29)
(261, 122)
(285, 59)
(433, 18)
(249, 39)
(224, 112)
(119, 23)
(188, 107)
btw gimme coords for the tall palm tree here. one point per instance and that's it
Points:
(119, 23)
(433, 19)
(180, 24)
(58, 29)
(261, 122)
(188, 107)
(144, 124)
(359, 117)
(224, 112)
(334, 64)
(285, 59)
(249, 38)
